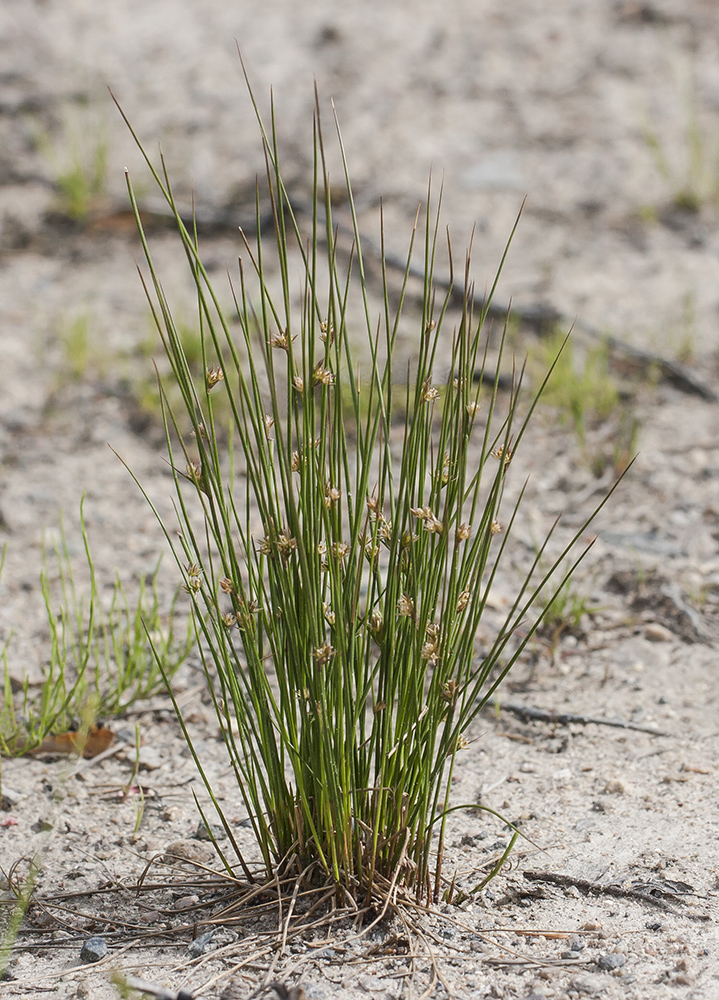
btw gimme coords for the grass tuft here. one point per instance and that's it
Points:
(78, 157)
(584, 393)
(99, 660)
(340, 547)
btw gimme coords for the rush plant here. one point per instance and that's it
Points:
(340, 546)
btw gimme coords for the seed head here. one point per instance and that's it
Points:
(213, 375)
(245, 620)
(371, 551)
(500, 453)
(229, 620)
(385, 531)
(449, 692)
(429, 392)
(226, 585)
(430, 653)
(332, 495)
(295, 461)
(433, 525)
(194, 578)
(463, 601)
(195, 475)
(422, 512)
(322, 375)
(374, 507)
(286, 545)
(464, 531)
(323, 654)
(340, 550)
(405, 607)
(445, 470)
(281, 341)
(327, 332)
(496, 528)
(269, 424)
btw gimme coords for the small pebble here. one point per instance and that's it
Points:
(150, 759)
(197, 947)
(614, 787)
(94, 949)
(589, 985)
(187, 902)
(611, 961)
(217, 831)
(188, 850)
(655, 632)
(10, 798)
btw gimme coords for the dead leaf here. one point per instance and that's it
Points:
(98, 739)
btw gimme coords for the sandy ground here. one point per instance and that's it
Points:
(554, 101)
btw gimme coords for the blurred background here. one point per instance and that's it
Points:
(603, 116)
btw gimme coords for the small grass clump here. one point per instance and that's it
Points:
(690, 167)
(565, 611)
(145, 392)
(584, 393)
(99, 661)
(340, 548)
(79, 161)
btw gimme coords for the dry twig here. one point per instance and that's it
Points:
(609, 889)
(528, 713)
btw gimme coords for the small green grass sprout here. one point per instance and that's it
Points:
(690, 166)
(100, 660)
(583, 392)
(79, 161)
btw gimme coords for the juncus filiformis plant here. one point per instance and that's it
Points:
(339, 543)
